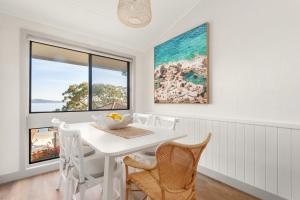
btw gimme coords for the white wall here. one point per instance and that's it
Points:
(11, 101)
(254, 74)
(254, 61)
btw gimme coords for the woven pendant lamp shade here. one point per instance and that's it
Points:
(135, 13)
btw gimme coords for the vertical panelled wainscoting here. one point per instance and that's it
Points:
(263, 156)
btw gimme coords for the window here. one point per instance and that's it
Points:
(44, 144)
(66, 80)
(109, 83)
(63, 80)
(59, 79)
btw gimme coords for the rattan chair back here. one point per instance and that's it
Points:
(177, 164)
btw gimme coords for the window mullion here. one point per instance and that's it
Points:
(128, 85)
(90, 97)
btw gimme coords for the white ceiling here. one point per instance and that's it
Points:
(98, 18)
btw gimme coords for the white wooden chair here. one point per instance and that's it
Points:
(142, 119)
(165, 122)
(63, 159)
(62, 156)
(162, 122)
(84, 172)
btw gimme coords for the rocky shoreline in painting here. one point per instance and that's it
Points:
(184, 81)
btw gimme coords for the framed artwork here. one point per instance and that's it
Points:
(181, 68)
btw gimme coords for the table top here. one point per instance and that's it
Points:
(117, 146)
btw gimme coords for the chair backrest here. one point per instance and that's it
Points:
(144, 119)
(165, 122)
(177, 164)
(56, 124)
(73, 149)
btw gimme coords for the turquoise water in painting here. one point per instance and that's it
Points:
(183, 47)
(192, 77)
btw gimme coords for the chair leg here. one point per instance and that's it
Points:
(60, 176)
(127, 192)
(67, 193)
(59, 182)
(121, 187)
(82, 193)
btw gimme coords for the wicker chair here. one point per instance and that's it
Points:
(161, 122)
(172, 177)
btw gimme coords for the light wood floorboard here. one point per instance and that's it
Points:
(42, 187)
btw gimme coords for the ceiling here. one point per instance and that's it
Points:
(98, 18)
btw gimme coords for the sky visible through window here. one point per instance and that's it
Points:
(107, 76)
(50, 79)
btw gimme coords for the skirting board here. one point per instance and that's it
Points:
(261, 194)
(28, 173)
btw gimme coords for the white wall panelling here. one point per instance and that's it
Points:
(231, 150)
(260, 157)
(263, 156)
(284, 162)
(271, 159)
(249, 154)
(295, 164)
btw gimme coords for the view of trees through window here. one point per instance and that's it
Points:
(60, 80)
(109, 91)
(51, 84)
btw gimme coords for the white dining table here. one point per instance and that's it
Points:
(114, 146)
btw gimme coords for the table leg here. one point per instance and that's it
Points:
(108, 186)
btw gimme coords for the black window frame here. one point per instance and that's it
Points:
(30, 148)
(90, 67)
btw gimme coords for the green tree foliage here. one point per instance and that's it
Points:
(76, 96)
(104, 94)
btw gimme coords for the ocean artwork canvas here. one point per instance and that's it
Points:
(181, 68)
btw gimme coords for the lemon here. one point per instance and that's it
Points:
(115, 116)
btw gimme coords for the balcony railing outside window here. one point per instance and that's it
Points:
(44, 144)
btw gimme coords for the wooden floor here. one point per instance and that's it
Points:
(42, 187)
